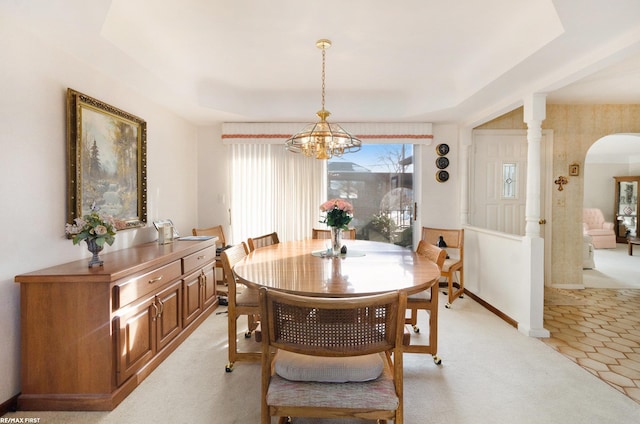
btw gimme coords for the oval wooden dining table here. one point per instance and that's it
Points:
(369, 267)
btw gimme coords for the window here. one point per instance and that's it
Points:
(378, 181)
(509, 181)
(275, 190)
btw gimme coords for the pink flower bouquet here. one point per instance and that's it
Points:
(339, 213)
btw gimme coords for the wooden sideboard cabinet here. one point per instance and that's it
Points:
(90, 335)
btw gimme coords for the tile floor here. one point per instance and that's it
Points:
(599, 329)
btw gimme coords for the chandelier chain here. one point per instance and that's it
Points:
(324, 51)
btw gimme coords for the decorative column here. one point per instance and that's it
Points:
(534, 114)
(533, 243)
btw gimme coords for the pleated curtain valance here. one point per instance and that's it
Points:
(370, 133)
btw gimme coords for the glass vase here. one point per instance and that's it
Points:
(95, 249)
(336, 241)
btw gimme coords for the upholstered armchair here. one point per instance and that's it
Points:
(602, 234)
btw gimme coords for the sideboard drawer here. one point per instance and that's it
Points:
(198, 259)
(132, 288)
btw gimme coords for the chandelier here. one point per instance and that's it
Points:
(323, 140)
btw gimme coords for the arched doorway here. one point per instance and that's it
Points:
(610, 156)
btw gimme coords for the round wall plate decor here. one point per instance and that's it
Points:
(442, 162)
(442, 149)
(442, 176)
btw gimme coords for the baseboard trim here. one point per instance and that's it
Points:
(9, 406)
(506, 318)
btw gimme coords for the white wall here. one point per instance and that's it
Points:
(496, 270)
(214, 186)
(441, 201)
(599, 186)
(34, 76)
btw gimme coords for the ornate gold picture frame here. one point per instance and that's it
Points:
(107, 161)
(574, 170)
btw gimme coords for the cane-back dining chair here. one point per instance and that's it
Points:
(242, 300)
(262, 241)
(332, 357)
(426, 300)
(216, 231)
(454, 240)
(349, 234)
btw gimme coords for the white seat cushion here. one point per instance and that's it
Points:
(450, 263)
(299, 367)
(379, 394)
(302, 420)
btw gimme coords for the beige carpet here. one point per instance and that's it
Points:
(490, 374)
(614, 269)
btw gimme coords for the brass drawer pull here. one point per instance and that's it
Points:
(161, 307)
(202, 257)
(155, 316)
(155, 280)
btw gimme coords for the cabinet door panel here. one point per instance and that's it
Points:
(192, 297)
(209, 295)
(135, 339)
(169, 323)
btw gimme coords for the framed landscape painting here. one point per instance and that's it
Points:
(106, 153)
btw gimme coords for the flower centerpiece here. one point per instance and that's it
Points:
(339, 214)
(95, 229)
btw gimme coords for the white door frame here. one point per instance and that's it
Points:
(546, 178)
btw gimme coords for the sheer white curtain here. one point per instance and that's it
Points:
(274, 190)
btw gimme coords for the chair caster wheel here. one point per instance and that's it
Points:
(247, 335)
(416, 329)
(437, 360)
(461, 297)
(448, 306)
(229, 367)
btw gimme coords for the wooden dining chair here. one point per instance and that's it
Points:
(240, 302)
(426, 300)
(454, 263)
(262, 241)
(322, 234)
(216, 231)
(332, 357)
